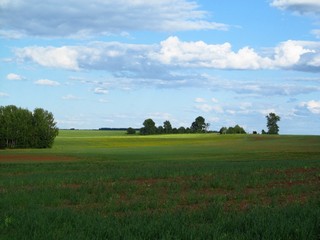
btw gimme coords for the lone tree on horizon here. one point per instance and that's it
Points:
(272, 125)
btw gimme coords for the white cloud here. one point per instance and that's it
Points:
(301, 55)
(14, 77)
(47, 82)
(2, 94)
(161, 116)
(298, 6)
(200, 54)
(214, 100)
(209, 108)
(265, 112)
(100, 90)
(289, 53)
(70, 97)
(200, 100)
(82, 18)
(164, 61)
(313, 106)
(62, 57)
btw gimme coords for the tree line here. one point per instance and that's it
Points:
(200, 126)
(21, 128)
(150, 128)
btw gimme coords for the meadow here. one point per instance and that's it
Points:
(109, 185)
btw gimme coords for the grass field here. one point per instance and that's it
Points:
(107, 185)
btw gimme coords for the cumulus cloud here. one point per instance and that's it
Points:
(47, 82)
(97, 55)
(82, 18)
(61, 57)
(166, 59)
(298, 6)
(200, 54)
(14, 77)
(300, 55)
(289, 53)
(313, 106)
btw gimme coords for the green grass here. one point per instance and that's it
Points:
(108, 185)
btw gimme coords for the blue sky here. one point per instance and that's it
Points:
(115, 63)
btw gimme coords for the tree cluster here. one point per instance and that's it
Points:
(149, 127)
(21, 128)
(232, 130)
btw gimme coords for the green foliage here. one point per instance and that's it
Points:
(160, 130)
(149, 127)
(167, 127)
(131, 131)
(199, 125)
(232, 130)
(20, 128)
(272, 125)
(182, 130)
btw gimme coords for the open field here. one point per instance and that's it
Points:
(107, 185)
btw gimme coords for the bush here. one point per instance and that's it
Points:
(131, 130)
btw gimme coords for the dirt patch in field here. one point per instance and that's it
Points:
(34, 158)
(291, 172)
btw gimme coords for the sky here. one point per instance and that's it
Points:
(104, 63)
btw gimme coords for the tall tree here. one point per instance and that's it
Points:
(167, 127)
(272, 125)
(45, 129)
(149, 127)
(199, 125)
